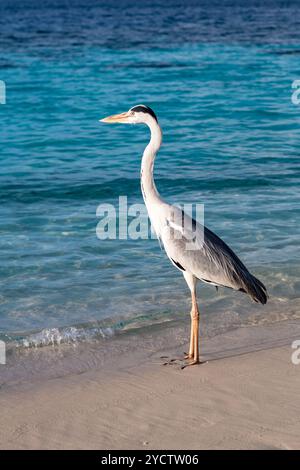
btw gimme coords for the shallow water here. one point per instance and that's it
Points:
(219, 79)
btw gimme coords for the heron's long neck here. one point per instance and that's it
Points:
(150, 193)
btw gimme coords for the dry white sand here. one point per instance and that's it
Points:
(246, 401)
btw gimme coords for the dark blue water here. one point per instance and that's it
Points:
(219, 76)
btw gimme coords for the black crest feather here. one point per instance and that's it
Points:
(141, 108)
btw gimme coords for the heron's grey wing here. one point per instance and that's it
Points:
(194, 248)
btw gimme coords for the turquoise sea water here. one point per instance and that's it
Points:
(220, 80)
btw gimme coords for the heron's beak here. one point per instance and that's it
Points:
(116, 118)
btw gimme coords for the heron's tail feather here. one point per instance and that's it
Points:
(256, 289)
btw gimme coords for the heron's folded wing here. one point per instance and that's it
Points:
(192, 247)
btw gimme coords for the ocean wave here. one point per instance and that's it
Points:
(101, 330)
(68, 335)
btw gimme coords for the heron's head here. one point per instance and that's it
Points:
(136, 115)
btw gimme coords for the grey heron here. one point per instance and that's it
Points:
(211, 260)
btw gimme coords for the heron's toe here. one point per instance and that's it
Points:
(188, 356)
(171, 362)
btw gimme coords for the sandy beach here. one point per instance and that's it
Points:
(241, 398)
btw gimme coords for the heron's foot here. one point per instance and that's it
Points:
(184, 362)
(176, 360)
(172, 362)
(193, 362)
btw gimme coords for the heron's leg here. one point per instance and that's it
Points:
(195, 321)
(191, 282)
(194, 345)
(190, 354)
(193, 355)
